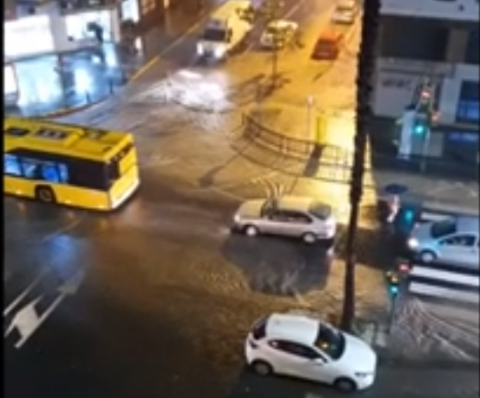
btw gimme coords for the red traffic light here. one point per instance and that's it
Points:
(404, 268)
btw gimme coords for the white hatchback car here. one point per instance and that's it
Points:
(304, 347)
(289, 216)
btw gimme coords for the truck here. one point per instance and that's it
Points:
(227, 28)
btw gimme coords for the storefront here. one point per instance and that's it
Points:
(28, 36)
(11, 90)
(102, 25)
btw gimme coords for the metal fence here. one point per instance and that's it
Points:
(336, 160)
(275, 141)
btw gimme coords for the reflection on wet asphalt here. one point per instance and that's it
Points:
(160, 295)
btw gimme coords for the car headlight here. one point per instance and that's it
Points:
(236, 218)
(219, 52)
(362, 375)
(412, 243)
(200, 49)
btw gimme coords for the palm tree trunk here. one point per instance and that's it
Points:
(366, 64)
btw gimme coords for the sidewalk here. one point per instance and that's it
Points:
(88, 77)
(47, 86)
(318, 106)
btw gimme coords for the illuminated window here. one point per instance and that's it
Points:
(11, 165)
(468, 103)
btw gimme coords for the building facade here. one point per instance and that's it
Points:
(438, 41)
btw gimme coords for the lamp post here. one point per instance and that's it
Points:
(365, 69)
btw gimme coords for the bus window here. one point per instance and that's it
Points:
(12, 165)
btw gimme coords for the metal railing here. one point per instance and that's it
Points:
(338, 161)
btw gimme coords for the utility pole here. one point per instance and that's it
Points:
(366, 65)
(270, 11)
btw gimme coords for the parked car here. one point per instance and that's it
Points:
(345, 12)
(328, 46)
(453, 241)
(304, 347)
(278, 34)
(289, 216)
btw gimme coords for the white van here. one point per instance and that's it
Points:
(453, 241)
(228, 26)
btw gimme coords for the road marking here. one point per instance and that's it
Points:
(22, 295)
(169, 48)
(27, 320)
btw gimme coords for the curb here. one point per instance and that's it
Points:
(70, 111)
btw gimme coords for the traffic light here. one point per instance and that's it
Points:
(421, 124)
(393, 283)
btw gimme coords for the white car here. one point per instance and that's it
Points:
(345, 12)
(453, 241)
(278, 33)
(289, 216)
(304, 347)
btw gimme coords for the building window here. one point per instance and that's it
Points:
(471, 56)
(467, 107)
(412, 38)
(461, 146)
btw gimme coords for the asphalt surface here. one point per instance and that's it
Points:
(156, 299)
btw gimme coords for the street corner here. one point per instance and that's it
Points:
(372, 249)
(278, 266)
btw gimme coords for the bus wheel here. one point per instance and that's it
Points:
(45, 194)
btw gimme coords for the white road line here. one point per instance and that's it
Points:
(22, 295)
(169, 48)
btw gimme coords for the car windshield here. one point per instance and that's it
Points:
(267, 207)
(259, 330)
(443, 228)
(331, 341)
(320, 210)
(214, 35)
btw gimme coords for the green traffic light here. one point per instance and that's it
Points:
(419, 129)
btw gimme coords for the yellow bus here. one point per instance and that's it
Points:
(69, 165)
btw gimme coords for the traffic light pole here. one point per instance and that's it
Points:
(366, 63)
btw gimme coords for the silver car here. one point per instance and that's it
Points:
(289, 216)
(452, 241)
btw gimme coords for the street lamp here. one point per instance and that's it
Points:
(366, 64)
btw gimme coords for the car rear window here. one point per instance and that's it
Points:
(259, 330)
(320, 210)
(443, 228)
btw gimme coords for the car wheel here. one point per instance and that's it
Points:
(309, 238)
(262, 368)
(251, 230)
(345, 385)
(427, 256)
(45, 194)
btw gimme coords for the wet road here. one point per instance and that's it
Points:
(155, 300)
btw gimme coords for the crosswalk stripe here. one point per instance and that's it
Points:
(429, 216)
(444, 292)
(435, 274)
